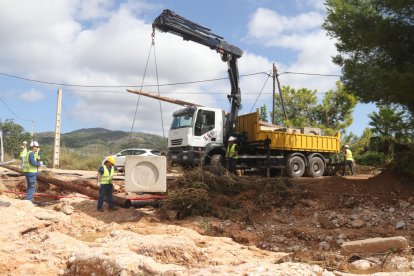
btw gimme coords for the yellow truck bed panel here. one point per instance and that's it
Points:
(286, 141)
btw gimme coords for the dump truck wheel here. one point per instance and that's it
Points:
(295, 167)
(316, 167)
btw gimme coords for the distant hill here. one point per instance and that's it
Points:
(100, 141)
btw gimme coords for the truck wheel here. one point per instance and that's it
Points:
(295, 167)
(316, 167)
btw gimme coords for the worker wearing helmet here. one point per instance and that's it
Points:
(23, 153)
(348, 160)
(105, 175)
(232, 154)
(30, 170)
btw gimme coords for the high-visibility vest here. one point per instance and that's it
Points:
(106, 177)
(27, 166)
(231, 151)
(23, 153)
(348, 155)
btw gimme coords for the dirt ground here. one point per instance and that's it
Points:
(310, 218)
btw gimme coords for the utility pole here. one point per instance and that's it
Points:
(56, 151)
(274, 91)
(1, 147)
(280, 91)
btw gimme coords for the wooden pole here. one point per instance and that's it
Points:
(56, 149)
(280, 93)
(70, 186)
(274, 91)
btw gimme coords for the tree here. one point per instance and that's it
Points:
(300, 107)
(376, 48)
(13, 136)
(375, 42)
(388, 126)
(263, 113)
(335, 111)
(333, 114)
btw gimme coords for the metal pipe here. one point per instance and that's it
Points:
(68, 185)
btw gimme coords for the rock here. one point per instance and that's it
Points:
(400, 225)
(397, 263)
(5, 203)
(58, 206)
(332, 215)
(374, 245)
(328, 238)
(324, 245)
(391, 210)
(354, 217)
(357, 223)
(404, 204)
(340, 241)
(411, 215)
(362, 265)
(325, 222)
(47, 216)
(68, 210)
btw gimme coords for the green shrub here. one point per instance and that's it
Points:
(371, 158)
(404, 161)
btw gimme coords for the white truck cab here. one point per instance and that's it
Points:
(192, 129)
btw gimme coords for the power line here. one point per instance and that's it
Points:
(160, 85)
(11, 111)
(124, 86)
(309, 74)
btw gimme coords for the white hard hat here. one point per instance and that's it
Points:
(231, 138)
(24, 142)
(346, 146)
(34, 144)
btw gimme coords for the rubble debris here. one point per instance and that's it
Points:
(375, 245)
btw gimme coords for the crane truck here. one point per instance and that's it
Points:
(199, 134)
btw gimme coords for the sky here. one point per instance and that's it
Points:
(93, 50)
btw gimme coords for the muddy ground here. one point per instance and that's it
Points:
(309, 218)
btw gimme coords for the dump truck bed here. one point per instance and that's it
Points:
(281, 139)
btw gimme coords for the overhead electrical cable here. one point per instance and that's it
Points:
(12, 112)
(125, 86)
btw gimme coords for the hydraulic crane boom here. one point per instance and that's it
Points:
(169, 21)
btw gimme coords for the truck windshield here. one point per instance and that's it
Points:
(183, 119)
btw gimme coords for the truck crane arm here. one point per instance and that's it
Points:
(168, 21)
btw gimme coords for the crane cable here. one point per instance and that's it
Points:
(158, 89)
(139, 96)
(268, 76)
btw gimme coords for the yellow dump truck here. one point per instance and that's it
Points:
(299, 151)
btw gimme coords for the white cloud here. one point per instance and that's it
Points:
(107, 43)
(32, 96)
(302, 34)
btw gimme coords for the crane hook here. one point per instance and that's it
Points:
(153, 35)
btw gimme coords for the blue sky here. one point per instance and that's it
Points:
(106, 43)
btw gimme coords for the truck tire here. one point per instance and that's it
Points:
(316, 167)
(295, 167)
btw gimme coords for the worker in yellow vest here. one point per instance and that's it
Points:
(232, 154)
(105, 176)
(30, 170)
(23, 153)
(348, 160)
